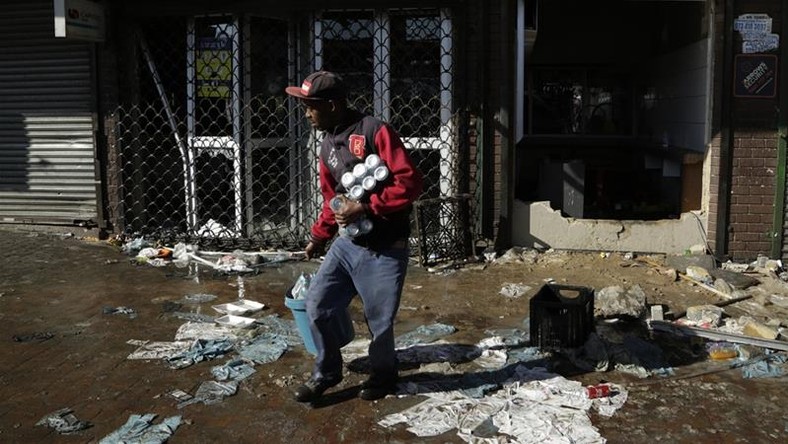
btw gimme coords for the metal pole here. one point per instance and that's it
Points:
(174, 126)
(782, 145)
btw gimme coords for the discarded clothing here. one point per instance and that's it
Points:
(196, 317)
(511, 290)
(511, 337)
(198, 298)
(284, 328)
(771, 365)
(267, 347)
(235, 370)
(212, 392)
(63, 421)
(424, 334)
(199, 351)
(530, 357)
(140, 429)
(38, 336)
(159, 350)
(120, 310)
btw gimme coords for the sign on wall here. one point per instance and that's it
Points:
(755, 75)
(214, 67)
(756, 33)
(79, 19)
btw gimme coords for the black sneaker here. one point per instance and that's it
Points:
(375, 388)
(313, 389)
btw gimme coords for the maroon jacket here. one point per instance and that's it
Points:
(389, 205)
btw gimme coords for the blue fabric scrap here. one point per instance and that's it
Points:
(267, 347)
(201, 350)
(235, 370)
(772, 365)
(139, 429)
(424, 334)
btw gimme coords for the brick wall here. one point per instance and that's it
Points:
(753, 158)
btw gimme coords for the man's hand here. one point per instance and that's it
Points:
(314, 249)
(349, 212)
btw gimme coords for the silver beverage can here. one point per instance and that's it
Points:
(368, 183)
(348, 179)
(356, 192)
(372, 161)
(365, 226)
(381, 173)
(359, 171)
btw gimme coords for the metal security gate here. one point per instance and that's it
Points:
(47, 172)
(211, 149)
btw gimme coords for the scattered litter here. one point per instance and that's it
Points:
(532, 406)
(200, 330)
(63, 421)
(731, 266)
(120, 310)
(240, 307)
(179, 395)
(135, 245)
(200, 350)
(235, 321)
(424, 334)
(614, 301)
(511, 337)
(194, 317)
(721, 350)
(235, 370)
(198, 298)
(492, 359)
(267, 347)
(703, 316)
(212, 392)
(140, 429)
(214, 229)
(771, 365)
(514, 290)
(301, 286)
(37, 336)
(159, 350)
(283, 328)
(780, 301)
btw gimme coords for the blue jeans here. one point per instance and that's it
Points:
(377, 277)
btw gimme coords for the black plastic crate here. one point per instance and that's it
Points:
(562, 316)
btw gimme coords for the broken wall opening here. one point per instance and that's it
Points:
(616, 109)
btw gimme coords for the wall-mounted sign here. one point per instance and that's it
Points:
(755, 75)
(756, 33)
(214, 67)
(79, 19)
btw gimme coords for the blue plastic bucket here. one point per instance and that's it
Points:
(343, 325)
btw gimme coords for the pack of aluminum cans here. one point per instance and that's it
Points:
(363, 179)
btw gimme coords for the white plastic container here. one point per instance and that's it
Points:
(235, 321)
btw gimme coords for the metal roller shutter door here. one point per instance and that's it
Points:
(47, 168)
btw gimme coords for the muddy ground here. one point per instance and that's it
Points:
(59, 284)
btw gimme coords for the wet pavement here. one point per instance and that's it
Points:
(61, 348)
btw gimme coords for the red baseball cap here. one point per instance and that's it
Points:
(320, 85)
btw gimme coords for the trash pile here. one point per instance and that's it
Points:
(757, 289)
(152, 253)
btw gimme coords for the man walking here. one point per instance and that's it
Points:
(372, 265)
